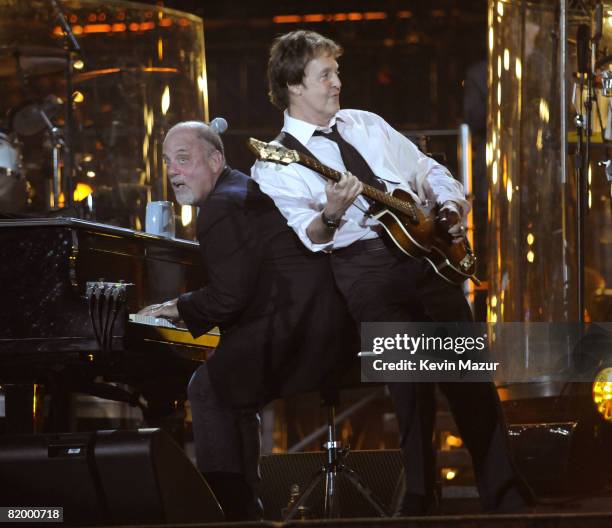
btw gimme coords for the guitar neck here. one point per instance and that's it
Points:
(373, 193)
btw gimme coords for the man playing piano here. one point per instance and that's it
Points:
(284, 328)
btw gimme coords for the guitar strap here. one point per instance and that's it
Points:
(291, 142)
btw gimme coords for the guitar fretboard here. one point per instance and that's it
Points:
(371, 192)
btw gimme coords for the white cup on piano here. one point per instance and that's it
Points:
(159, 219)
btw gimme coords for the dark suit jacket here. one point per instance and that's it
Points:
(284, 327)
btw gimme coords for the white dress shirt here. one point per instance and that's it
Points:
(299, 192)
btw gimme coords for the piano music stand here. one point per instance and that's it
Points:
(334, 468)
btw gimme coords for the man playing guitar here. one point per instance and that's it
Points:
(379, 283)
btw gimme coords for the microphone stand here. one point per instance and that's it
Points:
(582, 193)
(58, 142)
(71, 46)
(583, 123)
(585, 155)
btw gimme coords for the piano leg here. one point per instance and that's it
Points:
(24, 406)
(24, 409)
(62, 413)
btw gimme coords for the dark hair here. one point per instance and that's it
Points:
(289, 55)
(204, 133)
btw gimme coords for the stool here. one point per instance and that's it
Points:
(333, 469)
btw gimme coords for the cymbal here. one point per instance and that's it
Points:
(27, 120)
(31, 60)
(94, 74)
(32, 51)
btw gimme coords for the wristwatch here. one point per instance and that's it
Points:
(329, 223)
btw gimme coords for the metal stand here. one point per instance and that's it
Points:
(72, 48)
(331, 472)
(58, 142)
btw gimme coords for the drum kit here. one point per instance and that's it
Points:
(34, 115)
(30, 117)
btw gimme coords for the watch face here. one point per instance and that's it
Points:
(329, 223)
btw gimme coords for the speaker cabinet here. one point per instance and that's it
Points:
(561, 457)
(106, 477)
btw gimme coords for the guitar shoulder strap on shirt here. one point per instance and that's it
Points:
(353, 161)
(291, 142)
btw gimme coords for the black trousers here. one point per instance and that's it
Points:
(381, 285)
(227, 446)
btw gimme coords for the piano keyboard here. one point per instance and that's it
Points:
(151, 321)
(160, 329)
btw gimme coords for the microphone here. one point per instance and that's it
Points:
(74, 44)
(218, 124)
(582, 48)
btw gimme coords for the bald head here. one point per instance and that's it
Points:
(193, 154)
(203, 132)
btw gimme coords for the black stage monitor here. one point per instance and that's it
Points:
(106, 477)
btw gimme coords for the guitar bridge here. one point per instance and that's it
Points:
(467, 262)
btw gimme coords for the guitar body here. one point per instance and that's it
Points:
(425, 239)
(453, 262)
(412, 238)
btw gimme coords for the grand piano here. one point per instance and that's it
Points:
(49, 343)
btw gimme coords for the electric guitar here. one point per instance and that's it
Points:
(413, 228)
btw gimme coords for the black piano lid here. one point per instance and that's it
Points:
(45, 264)
(94, 226)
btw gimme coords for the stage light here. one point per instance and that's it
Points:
(202, 84)
(494, 173)
(165, 100)
(35, 398)
(453, 441)
(602, 393)
(186, 215)
(97, 28)
(82, 191)
(449, 473)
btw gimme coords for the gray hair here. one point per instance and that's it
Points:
(203, 132)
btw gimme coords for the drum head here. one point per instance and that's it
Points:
(28, 118)
(10, 157)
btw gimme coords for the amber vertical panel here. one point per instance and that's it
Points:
(531, 210)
